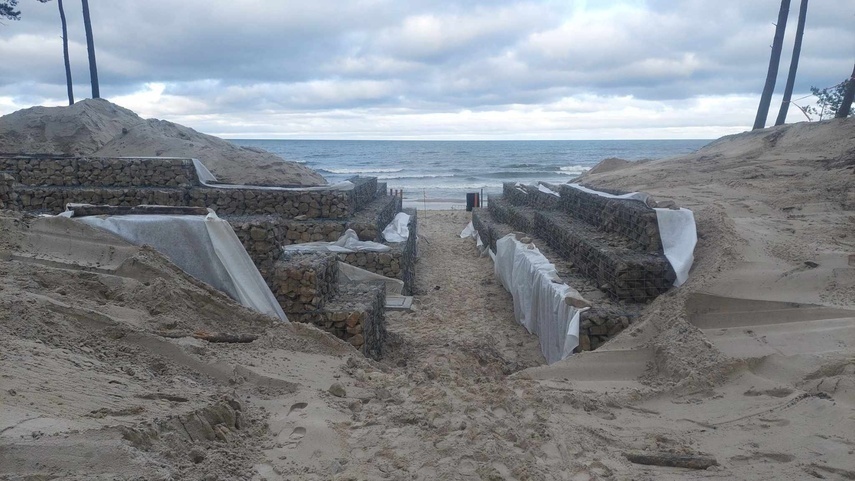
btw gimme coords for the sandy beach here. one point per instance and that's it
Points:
(748, 367)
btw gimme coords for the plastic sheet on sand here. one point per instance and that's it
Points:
(539, 297)
(469, 231)
(348, 242)
(204, 247)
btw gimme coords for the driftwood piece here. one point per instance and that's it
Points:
(211, 336)
(85, 210)
(672, 460)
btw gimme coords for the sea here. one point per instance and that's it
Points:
(439, 174)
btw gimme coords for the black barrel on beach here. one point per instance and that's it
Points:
(472, 200)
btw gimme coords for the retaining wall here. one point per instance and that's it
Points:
(520, 218)
(303, 282)
(629, 218)
(52, 200)
(8, 197)
(601, 323)
(263, 236)
(372, 218)
(409, 255)
(357, 316)
(623, 273)
(306, 285)
(364, 191)
(60, 171)
(488, 229)
(47, 183)
(329, 204)
(530, 196)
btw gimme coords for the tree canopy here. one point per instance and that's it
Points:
(7, 10)
(829, 100)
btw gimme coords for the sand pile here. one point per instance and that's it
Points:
(100, 353)
(99, 128)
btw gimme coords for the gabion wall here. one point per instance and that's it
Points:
(263, 236)
(306, 285)
(58, 171)
(357, 316)
(409, 255)
(364, 191)
(47, 183)
(52, 200)
(520, 218)
(625, 274)
(389, 264)
(601, 323)
(328, 204)
(597, 325)
(514, 194)
(629, 218)
(370, 221)
(304, 282)
(489, 229)
(530, 196)
(8, 197)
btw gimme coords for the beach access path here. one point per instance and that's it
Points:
(460, 305)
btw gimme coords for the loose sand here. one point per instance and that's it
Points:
(750, 362)
(99, 128)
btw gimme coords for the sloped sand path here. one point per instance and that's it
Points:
(460, 305)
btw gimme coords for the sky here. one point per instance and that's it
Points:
(420, 69)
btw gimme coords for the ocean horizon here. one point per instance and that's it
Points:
(437, 174)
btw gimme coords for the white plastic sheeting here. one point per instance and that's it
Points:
(679, 236)
(469, 231)
(547, 190)
(676, 229)
(397, 230)
(639, 196)
(347, 243)
(203, 247)
(539, 297)
(394, 287)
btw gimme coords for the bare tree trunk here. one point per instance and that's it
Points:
(794, 65)
(774, 60)
(90, 46)
(848, 96)
(68, 81)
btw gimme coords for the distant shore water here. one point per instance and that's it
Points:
(438, 174)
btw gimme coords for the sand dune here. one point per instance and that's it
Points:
(99, 128)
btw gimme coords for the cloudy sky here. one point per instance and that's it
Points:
(419, 69)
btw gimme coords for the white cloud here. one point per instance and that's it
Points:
(452, 69)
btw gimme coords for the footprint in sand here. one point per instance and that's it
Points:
(295, 437)
(298, 409)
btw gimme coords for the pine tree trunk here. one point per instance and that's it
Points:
(90, 46)
(848, 96)
(794, 65)
(774, 60)
(68, 81)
